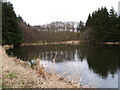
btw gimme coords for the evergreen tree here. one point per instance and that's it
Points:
(88, 21)
(105, 25)
(81, 27)
(113, 27)
(11, 34)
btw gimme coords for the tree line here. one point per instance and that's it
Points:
(101, 26)
(53, 32)
(16, 31)
(11, 33)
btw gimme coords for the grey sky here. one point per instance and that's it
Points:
(119, 8)
(38, 12)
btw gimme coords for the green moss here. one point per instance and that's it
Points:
(12, 75)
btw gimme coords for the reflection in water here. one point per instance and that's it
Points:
(98, 63)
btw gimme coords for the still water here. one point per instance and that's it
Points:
(94, 65)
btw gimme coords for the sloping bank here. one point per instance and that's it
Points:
(16, 74)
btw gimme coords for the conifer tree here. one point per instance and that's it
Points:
(11, 34)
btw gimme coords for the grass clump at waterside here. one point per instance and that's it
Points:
(11, 75)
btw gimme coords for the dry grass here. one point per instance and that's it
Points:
(0, 67)
(73, 42)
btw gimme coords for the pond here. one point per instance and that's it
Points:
(95, 65)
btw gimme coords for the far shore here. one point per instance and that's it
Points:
(71, 43)
(65, 43)
(47, 43)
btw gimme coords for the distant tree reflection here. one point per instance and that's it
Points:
(101, 59)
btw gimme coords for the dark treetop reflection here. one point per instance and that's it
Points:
(102, 60)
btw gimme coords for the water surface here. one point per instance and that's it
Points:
(93, 65)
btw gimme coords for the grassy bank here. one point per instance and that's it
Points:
(47, 43)
(71, 43)
(18, 74)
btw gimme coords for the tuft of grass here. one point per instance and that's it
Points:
(12, 75)
(3, 87)
(0, 87)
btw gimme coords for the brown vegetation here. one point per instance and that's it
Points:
(53, 32)
(62, 42)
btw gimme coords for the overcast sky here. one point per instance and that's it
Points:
(38, 12)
